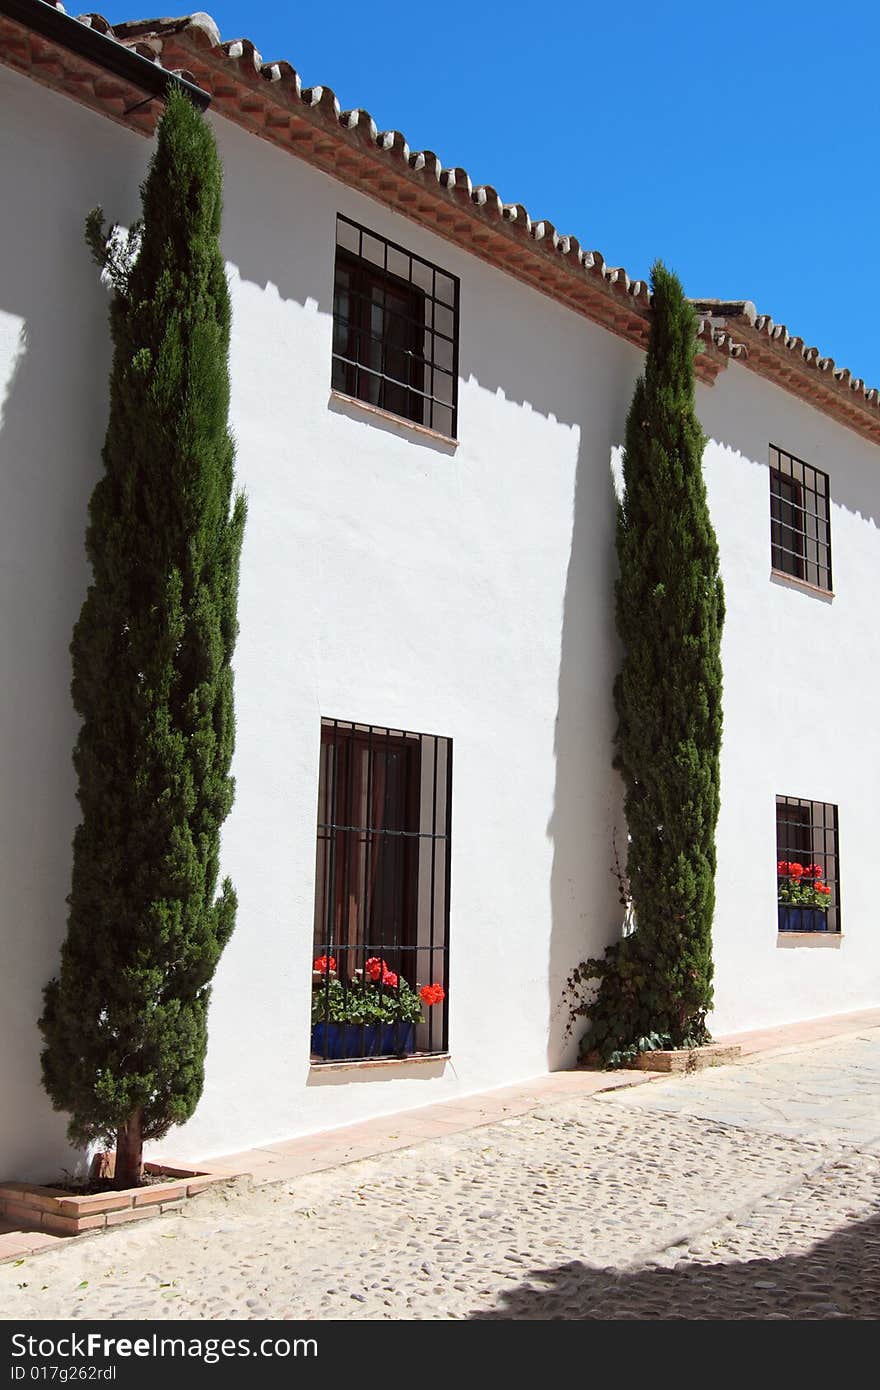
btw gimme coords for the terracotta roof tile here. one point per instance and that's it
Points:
(765, 335)
(269, 99)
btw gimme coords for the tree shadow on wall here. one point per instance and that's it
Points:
(838, 1277)
(53, 410)
(587, 817)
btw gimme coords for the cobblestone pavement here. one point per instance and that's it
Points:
(746, 1192)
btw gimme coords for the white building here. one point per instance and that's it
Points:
(440, 564)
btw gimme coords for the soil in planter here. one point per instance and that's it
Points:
(96, 1187)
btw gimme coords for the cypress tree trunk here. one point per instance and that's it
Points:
(124, 1024)
(130, 1150)
(655, 986)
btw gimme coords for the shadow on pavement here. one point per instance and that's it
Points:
(838, 1277)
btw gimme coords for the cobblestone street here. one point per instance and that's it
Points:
(749, 1191)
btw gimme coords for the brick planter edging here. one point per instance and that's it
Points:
(65, 1214)
(687, 1059)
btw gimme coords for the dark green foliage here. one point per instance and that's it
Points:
(362, 1001)
(125, 1023)
(655, 984)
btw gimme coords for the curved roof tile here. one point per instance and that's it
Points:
(254, 93)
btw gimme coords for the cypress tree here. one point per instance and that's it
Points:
(124, 1024)
(655, 985)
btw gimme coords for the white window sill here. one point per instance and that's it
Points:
(829, 940)
(791, 581)
(350, 405)
(412, 1059)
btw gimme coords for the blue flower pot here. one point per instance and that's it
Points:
(794, 918)
(347, 1042)
(397, 1038)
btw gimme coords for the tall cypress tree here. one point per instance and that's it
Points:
(125, 1023)
(655, 985)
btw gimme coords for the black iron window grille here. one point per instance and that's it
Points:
(807, 865)
(800, 519)
(395, 329)
(381, 941)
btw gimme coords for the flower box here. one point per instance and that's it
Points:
(345, 1042)
(795, 918)
(803, 898)
(372, 1014)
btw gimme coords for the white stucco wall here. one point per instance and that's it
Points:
(383, 579)
(800, 681)
(57, 161)
(387, 579)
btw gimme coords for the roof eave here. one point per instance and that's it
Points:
(82, 58)
(268, 99)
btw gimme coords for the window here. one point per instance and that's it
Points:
(395, 329)
(800, 519)
(382, 892)
(807, 865)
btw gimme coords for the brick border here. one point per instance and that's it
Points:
(687, 1059)
(50, 1209)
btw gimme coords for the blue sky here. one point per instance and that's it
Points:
(738, 142)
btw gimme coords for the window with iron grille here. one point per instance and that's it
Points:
(381, 942)
(395, 329)
(807, 865)
(800, 519)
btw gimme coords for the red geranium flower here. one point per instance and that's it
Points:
(782, 866)
(796, 870)
(815, 871)
(324, 964)
(822, 888)
(432, 994)
(377, 970)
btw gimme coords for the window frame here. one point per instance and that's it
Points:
(371, 285)
(372, 829)
(820, 820)
(797, 525)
